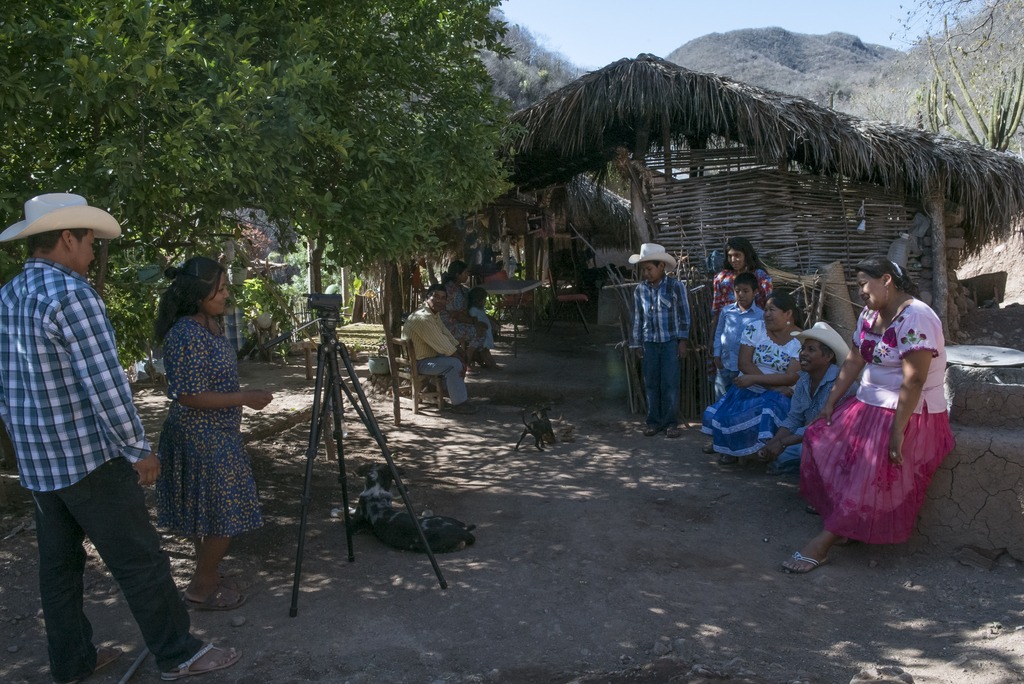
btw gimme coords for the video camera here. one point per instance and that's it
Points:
(324, 302)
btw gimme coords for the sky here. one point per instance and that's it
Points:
(594, 33)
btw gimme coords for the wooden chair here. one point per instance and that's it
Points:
(405, 370)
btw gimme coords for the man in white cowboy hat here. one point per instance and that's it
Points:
(81, 448)
(661, 328)
(822, 353)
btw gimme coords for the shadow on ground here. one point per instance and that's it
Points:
(609, 558)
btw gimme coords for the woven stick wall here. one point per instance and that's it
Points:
(797, 221)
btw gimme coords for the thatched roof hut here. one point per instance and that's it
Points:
(679, 126)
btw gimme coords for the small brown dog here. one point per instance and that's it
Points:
(539, 427)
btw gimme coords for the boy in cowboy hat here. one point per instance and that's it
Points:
(821, 354)
(81, 449)
(661, 327)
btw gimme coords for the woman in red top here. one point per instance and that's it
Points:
(740, 258)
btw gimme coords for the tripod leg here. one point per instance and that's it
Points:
(334, 399)
(371, 424)
(315, 425)
(363, 418)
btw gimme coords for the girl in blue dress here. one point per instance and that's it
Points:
(205, 489)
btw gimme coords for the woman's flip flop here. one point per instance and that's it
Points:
(809, 564)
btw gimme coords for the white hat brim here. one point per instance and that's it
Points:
(103, 225)
(667, 258)
(830, 338)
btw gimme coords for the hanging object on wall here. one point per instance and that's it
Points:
(899, 250)
(862, 226)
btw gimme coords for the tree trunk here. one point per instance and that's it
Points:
(102, 261)
(391, 307)
(638, 203)
(345, 298)
(314, 254)
(638, 207)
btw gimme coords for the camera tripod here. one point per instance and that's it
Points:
(327, 399)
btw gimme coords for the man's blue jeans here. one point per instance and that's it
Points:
(450, 369)
(661, 382)
(109, 507)
(788, 461)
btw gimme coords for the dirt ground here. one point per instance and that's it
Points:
(610, 557)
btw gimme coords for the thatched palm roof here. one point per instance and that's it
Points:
(578, 129)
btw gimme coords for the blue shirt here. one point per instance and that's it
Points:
(661, 313)
(63, 394)
(805, 406)
(731, 322)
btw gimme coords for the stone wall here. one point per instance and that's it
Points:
(977, 496)
(920, 263)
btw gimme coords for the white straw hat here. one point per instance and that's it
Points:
(827, 335)
(60, 211)
(650, 251)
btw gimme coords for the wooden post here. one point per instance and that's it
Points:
(391, 316)
(666, 142)
(935, 207)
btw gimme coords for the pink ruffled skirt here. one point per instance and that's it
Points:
(846, 474)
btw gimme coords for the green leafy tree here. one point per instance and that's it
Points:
(361, 125)
(397, 128)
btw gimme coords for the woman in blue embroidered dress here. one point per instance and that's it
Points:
(754, 407)
(206, 488)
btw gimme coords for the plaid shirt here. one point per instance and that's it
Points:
(660, 313)
(63, 394)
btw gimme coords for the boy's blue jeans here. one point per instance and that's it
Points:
(723, 381)
(661, 382)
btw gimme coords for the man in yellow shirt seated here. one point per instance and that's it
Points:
(437, 350)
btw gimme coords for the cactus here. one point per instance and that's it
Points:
(993, 128)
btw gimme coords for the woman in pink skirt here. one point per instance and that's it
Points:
(866, 467)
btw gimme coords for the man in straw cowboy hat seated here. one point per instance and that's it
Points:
(81, 448)
(822, 351)
(661, 328)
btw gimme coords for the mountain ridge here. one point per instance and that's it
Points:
(821, 67)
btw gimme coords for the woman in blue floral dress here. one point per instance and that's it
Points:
(758, 401)
(206, 488)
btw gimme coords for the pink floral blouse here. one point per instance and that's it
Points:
(915, 328)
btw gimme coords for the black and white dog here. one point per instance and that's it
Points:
(397, 528)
